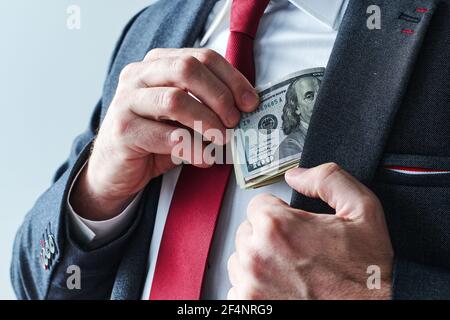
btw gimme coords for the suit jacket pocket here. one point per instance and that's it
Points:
(416, 203)
(414, 170)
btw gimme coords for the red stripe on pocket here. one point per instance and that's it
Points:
(415, 169)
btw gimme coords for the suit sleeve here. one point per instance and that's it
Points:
(45, 246)
(414, 281)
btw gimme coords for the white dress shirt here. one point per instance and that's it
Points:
(293, 35)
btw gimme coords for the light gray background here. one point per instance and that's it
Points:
(50, 80)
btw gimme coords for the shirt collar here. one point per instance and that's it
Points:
(327, 12)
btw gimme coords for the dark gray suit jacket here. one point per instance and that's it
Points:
(384, 100)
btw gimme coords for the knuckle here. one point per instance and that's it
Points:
(120, 125)
(186, 67)
(171, 100)
(271, 224)
(326, 171)
(264, 204)
(129, 71)
(262, 198)
(230, 262)
(239, 242)
(137, 97)
(330, 168)
(224, 98)
(233, 265)
(254, 202)
(241, 231)
(208, 56)
(153, 54)
(121, 99)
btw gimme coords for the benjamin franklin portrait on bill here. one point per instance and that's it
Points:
(300, 99)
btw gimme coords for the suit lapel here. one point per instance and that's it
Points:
(167, 24)
(363, 87)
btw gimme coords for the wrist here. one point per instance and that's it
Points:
(381, 292)
(92, 201)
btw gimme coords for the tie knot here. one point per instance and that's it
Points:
(245, 16)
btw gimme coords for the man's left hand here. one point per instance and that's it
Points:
(286, 253)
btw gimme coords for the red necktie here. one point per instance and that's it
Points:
(198, 195)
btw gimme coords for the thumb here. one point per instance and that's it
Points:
(350, 198)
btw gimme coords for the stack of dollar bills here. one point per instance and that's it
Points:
(269, 141)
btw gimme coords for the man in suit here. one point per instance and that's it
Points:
(371, 194)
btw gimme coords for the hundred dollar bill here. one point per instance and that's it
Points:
(269, 141)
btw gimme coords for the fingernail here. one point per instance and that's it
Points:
(250, 99)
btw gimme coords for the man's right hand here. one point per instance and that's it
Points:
(153, 102)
